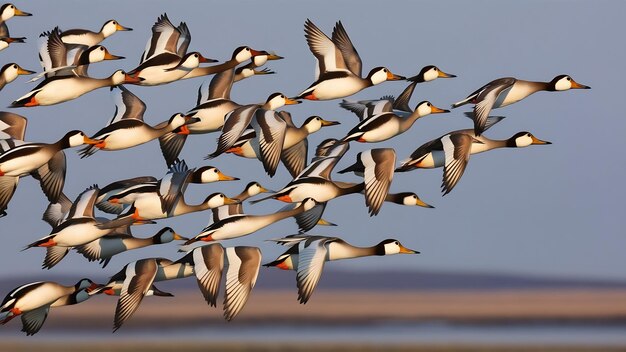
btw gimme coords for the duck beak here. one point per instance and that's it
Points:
(538, 141)
(179, 237)
(289, 101)
(132, 79)
(404, 250)
(421, 203)
(183, 130)
(90, 141)
(442, 74)
(222, 177)
(273, 56)
(436, 110)
(576, 85)
(109, 56)
(231, 201)
(21, 71)
(204, 59)
(265, 190)
(119, 27)
(330, 123)
(19, 12)
(392, 77)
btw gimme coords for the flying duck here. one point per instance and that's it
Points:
(506, 91)
(127, 128)
(59, 89)
(33, 301)
(45, 162)
(294, 146)
(308, 253)
(237, 121)
(452, 151)
(387, 124)
(165, 58)
(9, 72)
(400, 105)
(78, 227)
(241, 225)
(251, 190)
(206, 263)
(338, 72)
(7, 11)
(61, 59)
(122, 240)
(89, 38)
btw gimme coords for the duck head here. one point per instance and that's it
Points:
(565, 82)
(524, 139)
(393, 246)
(112, 26)
(381, 74)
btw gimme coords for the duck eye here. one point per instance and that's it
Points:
(114, 22)
(384, 70)
(195, 55)
(436, 69)
(396, 242)
(14, 66)
(215, 171)
(414, 196)
(101, 49)
(12, 6)
(221, 196)
(428, 104)
(569, 79)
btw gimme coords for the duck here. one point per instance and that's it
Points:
(33, 301)
(387, 124)
(294, 149)
(61, 59)
(238, 120)
(7, 11)
(78, 227)
(10, 72)
(127, 128)
(400, 105)
(307, 255)
(315, 180)
(90, 38)
(242, 224)
(166, 68)
(59, 89)
(114, 196)
(122, 240)
(452, 151)
(150, 206)
(165, 58)
(256, 61)
(207, 263)
(45, 162)
(240, 55)
(508, 90)
(338, 72)
(252, 189)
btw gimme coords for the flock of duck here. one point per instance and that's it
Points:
(258, 131)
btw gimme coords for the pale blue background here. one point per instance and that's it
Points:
(545, 210)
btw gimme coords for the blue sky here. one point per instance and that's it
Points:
(542, 210)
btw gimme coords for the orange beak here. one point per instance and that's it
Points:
(405, 250)
(442, 74)
(222, 177)
(436, 110)
(184, 130)
(88, 140)
(392, 77)
(109, 56)
(538, 141)
(257, 53)
(289, 101)
(576, 85)
(19, 12)
(119, 27)
(21, 71)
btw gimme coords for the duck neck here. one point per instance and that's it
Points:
(353, 252)
(350, 188)
(407, 122)
(183, 208)
(203, 71)
(534, 87)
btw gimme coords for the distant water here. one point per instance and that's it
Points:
(392, 333)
